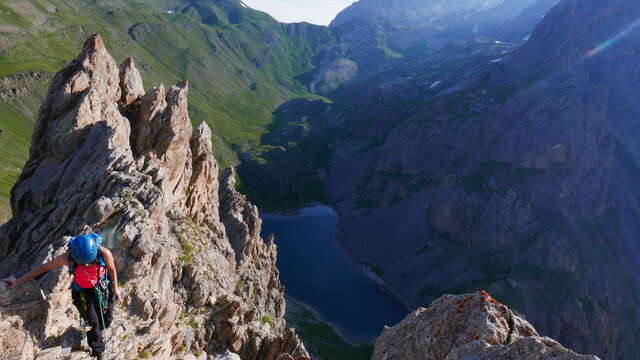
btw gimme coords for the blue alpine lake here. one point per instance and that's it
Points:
(316, 271)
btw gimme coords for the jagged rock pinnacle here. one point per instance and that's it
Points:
(130, 82)
(106, 157)
(94, 43)
(202, 196)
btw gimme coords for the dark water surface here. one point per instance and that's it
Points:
(315, 270)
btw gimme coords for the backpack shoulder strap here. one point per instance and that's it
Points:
(72, 263)
(103, 264)
(100, 259)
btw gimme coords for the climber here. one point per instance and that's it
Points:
(94, 285)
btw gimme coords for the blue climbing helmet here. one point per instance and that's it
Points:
(84, 248)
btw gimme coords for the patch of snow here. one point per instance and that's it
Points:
(435, 84)
(499, 42)
(171, 11)
(526, 38)
(496, 60)
(459, 86)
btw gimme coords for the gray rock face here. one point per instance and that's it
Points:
(105, 158)
(597, 25)
(334, 74)
(202, 195)
(470, 326)
(130, 82)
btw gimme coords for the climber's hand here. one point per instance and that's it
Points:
(117, 294)
(10, 281)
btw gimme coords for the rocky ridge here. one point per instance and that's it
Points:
(470, 326)
(403, 26)
(370, 34)
(107, 157)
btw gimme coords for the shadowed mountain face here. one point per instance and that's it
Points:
(519, 177)
(407, 25)
(477, 166)
(415, 12)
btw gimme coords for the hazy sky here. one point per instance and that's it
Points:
(319, 12)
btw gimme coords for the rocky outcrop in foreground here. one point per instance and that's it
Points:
(464, 327)
(106, 156)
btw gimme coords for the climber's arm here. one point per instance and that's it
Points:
(113, 273)
(60, 261)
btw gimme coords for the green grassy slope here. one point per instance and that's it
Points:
(16, 124)
(321, 340)
(241, 63)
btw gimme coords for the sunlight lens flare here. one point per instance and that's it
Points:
(614, 39)
(111, 237)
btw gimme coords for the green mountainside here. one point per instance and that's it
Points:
(241, 63)
(16, 122)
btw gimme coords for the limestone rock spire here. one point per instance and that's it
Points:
(130, 82)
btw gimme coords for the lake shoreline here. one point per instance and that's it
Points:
(321, 277)
(317, 316)
(366, 269)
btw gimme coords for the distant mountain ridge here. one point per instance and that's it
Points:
(374, 32)
(434, 16)
(435, 13)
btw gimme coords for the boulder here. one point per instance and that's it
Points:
(470, 326)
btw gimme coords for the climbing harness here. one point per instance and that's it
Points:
(100, 290)
(102, 306)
